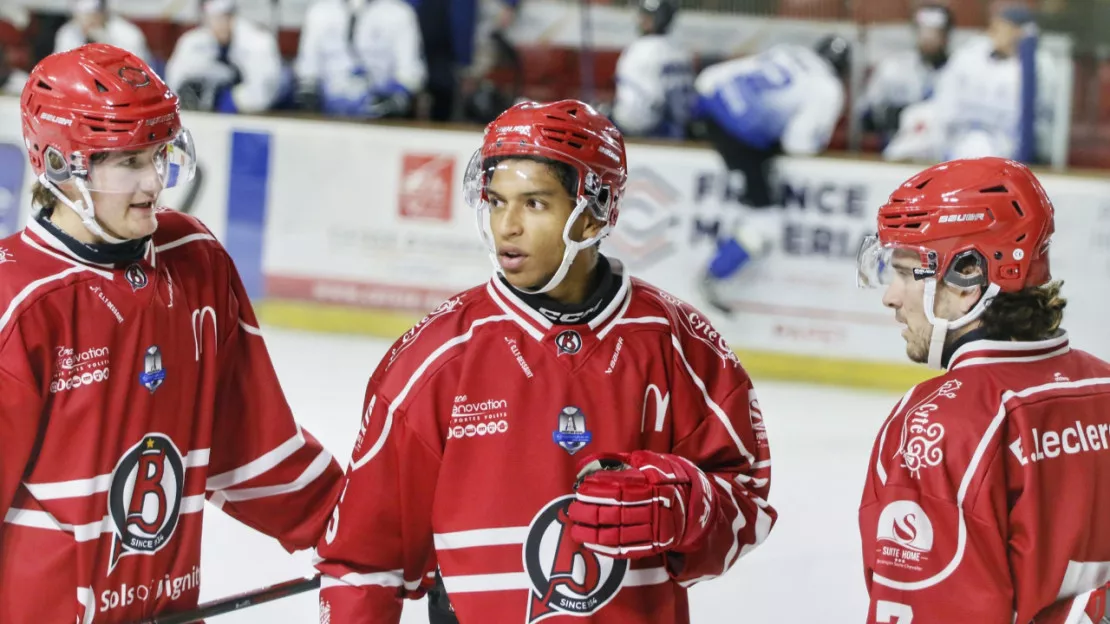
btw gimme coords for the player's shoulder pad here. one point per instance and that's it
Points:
(452, 321)
(174, 225)
(936, 430)
(27, 274)
(691, 327)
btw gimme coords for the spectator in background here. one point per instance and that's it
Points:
(450, 30)
(11, 79)
(91, 23)
(976, 110)
(229, 64)
(908, 77)
(655, 78)
(360, 58)
(482, 99)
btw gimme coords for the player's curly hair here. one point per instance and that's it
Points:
(1030, 314)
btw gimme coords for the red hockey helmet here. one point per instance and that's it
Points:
(96, 99)
(992, 211)
(570, 132)
(989, 213)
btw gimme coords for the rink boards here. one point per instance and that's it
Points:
(363, 228)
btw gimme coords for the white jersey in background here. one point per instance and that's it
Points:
(117, 31)
(978, 103)
(786, 94)
(14, 83)
(379, 52)
(655, 88)
(253, 52)
(898, 80)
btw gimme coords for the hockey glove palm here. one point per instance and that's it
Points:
(639, 504)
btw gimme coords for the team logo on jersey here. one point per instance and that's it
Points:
(572, 434)
(566, 577)
(136, 276)
(153, 374)
(569, 342)
(144, 497)
(905, 535)
(920, 445)
(6, 256)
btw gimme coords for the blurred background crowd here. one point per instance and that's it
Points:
(901, 79)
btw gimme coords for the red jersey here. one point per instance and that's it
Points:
(130, 395)
(473, 427)
(986, 499)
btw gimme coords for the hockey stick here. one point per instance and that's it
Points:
(238, 601)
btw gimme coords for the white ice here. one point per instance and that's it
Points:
(807, 571)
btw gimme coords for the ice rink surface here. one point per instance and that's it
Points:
(807, 571)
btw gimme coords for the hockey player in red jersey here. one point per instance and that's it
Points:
(135, 380)
(986, 499)
(563, 443)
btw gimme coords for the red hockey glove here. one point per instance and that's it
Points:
(631, 505)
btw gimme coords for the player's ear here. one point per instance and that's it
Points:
(591, 226)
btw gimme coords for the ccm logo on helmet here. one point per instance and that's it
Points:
(957, 218)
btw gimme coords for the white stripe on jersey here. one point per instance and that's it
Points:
(84, 532)
(185, 240)
(32, 287)
(470, 583)
(475, 538)
(713, 407)
(259, 466)
(401, 396)
(87, 487)
(310, 474)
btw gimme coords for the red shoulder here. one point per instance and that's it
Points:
(175, 228)
(440, 336)
(935, 432)
(28, 272)
(692, 327)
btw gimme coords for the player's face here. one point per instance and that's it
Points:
(931, 41)
(129, 213)
(91, 21)
(906, 296)
(221, 25)
(529, 208)
(1004, 34)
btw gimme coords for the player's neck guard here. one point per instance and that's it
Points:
(96, 253)
(607, 286)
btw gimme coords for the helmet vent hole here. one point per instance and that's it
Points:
(42, 85)
(922, 185)
(995, 189)
(1018, 209)
(100, 87)
(1020, 238)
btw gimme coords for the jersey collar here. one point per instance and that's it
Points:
(979, 352)
(595, 315)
